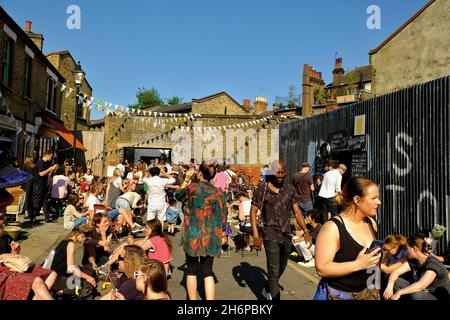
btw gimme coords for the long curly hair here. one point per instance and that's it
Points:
(134, 257)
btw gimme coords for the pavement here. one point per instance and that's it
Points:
(238, 277)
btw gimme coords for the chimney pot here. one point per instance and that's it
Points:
(28, 26)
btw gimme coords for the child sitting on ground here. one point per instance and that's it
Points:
(172, 216)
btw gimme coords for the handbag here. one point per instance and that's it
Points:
(17, 262)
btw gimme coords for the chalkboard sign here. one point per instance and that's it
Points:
(356, 143)
(338, 141)
(359, 164)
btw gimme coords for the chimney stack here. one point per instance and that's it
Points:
(38, 39)
(260, 105)
(338, 72)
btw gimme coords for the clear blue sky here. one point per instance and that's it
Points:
(194, 48)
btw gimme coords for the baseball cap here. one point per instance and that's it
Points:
(342, 166)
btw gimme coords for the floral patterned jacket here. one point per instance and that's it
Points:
(204, 220)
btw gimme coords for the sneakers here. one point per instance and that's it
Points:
(266, 294)
(137, 228)
(307, 264)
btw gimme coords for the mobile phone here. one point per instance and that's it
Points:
(374, 245)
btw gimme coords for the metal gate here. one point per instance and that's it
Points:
(407, 150)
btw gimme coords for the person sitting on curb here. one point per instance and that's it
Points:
(96, 248)
(156, 244)
(433, 283)
(63, 263)
(72, 218)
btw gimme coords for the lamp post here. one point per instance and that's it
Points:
(78, 76)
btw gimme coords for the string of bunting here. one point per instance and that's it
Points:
(102, 155)
(113, 108)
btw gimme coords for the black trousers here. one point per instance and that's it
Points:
(205, 262)
(327, 205)
(39, 200)
(277, 255)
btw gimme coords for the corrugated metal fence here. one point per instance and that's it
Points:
(408, 152)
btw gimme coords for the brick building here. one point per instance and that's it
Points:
(65, 63)
(143, 137)
(346, 88)
(416, 52)
(30, 91)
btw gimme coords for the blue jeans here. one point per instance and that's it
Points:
(113, 214)
(79, 222)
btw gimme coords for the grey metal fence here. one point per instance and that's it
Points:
(407, 152)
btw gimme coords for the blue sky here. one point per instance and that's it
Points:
(196, 48)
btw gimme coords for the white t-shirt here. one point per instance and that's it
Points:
(117, 182)
(132, 198)
(331, 184)
(91, 201)
(230, 172)
(88, 178)
(156, 192)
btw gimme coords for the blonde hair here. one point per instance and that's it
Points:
(117, 172)
(396, 240)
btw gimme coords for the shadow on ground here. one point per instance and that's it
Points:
(251, 276)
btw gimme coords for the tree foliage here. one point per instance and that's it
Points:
(147, 98)
(174, 100)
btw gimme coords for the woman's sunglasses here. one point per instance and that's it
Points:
(137, 274)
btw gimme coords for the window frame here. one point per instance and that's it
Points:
(8, 48)
(27, 76)
(51, 95)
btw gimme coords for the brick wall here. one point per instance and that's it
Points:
(135, 131)
(65, 64)
(217, 105)
(23, 108)
(419, 53)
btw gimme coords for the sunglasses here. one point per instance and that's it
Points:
(137, 274)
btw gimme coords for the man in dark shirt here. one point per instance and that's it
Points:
(304, 184)
(276, 199)
(41, 185)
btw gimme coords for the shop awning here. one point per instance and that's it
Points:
(65, 134)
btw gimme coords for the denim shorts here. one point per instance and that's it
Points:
(306, 207)
(122, 203)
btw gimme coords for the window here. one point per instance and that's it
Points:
(51, 95)
(80, 107)
(7, 61)
(27, 77)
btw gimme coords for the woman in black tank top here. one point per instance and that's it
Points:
(341, 259)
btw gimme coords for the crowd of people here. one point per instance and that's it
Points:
(332, 228)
